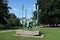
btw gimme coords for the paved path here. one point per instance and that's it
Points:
(2, 31)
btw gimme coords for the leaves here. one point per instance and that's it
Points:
(3, 11)
(49, 11)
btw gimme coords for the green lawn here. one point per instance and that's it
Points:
(49, 34)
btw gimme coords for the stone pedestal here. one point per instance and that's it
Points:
(25, 32)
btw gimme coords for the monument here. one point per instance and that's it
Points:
(30, 32)
(27, 33)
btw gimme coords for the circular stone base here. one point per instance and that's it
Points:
(31, 36)
(26, 33)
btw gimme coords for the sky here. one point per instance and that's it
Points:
(16, 6)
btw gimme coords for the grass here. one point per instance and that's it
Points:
(49, 34)
(8, 36)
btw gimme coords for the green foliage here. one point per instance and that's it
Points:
(35, 15)
(3, 11)
(50, 11)
(6, 18)
(12, 20)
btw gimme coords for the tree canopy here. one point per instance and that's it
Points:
(3, 11)
(50, 11)
(6, 18)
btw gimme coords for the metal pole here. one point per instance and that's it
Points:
(26, 13)
(37, 14)
(26, 16)
(22, 13)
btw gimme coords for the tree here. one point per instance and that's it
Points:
(3, 11)
(50, 11)
(35, 15)
(12, 20)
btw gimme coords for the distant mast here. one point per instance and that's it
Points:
(22, 10)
